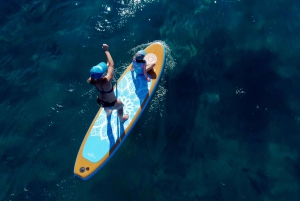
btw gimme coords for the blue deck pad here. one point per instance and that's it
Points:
(132, 91)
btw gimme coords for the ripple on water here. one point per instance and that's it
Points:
(112, 17)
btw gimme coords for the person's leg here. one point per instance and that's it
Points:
(108, 111)
(150, 66)
(119, 106)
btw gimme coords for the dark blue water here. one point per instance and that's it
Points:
(223, 124)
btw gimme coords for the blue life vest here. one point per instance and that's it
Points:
(139, 67)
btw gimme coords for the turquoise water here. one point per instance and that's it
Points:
(223, 124)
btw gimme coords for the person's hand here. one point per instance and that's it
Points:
(148, 79)
(105, 47)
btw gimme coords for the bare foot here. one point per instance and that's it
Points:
(124, 118)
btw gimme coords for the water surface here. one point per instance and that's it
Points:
(223, 124)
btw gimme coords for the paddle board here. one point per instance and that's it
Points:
(106, 134)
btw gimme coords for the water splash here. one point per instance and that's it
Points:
(111, 18)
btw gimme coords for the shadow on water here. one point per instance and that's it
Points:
(258, 180)
(293, 166)
(264, 96)
(181, 105)
(254, 72)
(8, 8)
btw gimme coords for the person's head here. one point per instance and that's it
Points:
(97, 72)
(139, 56)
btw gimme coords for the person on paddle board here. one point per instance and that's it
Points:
(140, 66)
(106, 98)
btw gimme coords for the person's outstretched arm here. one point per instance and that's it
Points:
(110, 62)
